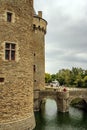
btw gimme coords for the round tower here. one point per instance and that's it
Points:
(16, 65)
(39, 31)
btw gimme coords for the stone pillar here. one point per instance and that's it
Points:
(62, 101)
(40, 14)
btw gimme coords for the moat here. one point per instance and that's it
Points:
(49, 119)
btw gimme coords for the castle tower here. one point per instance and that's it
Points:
(16, 65)
(39, 31)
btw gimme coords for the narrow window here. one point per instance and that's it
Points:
(9, 17)
(1, 80)
(34, 26)
(10, 49)
(34, 54)
(34, 68)
(34, 80)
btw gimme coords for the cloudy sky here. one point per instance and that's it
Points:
(66, 38)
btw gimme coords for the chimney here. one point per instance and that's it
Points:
(40, 14)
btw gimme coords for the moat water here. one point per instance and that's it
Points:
(49, 119)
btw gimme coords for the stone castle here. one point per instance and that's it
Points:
(22, 63)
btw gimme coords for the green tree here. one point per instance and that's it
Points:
(47, 78)
(76, 77)
(53, 77)
(63, 76)
(85, 82)
(79, 81)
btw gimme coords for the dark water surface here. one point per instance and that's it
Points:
(50, 119)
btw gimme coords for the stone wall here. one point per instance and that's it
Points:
(78, 93)
(60, 97)
(39, 31)
(16, 90)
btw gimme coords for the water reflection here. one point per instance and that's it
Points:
(50, 119)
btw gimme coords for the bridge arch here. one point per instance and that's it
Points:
(60, 97)
(76, 98)
(78, 102)
(77, 94)
(51, 95)
(48, 103)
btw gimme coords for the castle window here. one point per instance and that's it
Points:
(10, 49)
(1, 80)
(34, 26)
(9, 17)
(34, 54)
(35, 80)
(34, 68)
(39, 27)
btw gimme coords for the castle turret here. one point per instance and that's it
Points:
(39, 31)
(16, 70)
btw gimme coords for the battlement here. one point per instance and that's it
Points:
(39, 23)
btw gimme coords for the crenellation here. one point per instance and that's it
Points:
(39, 23)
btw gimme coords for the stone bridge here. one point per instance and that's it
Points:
(62, 96)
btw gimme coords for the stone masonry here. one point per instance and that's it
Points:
(16, 65)
(22, 63)
(62, 96)
(39, 31)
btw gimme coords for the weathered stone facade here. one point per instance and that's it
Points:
(62, 96)
(39, 31)
(16, 76)
(22, 63)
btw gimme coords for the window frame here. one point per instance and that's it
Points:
(9, 51)
(3, 79)
(9, 16)
(12, 16)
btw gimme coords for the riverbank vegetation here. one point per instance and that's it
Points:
(77, 77)
(79, 103)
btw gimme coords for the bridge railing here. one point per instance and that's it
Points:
(61, 88)
(49, 88)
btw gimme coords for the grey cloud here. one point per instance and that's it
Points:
(66, 39)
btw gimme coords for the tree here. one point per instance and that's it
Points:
(85, 82)
(79, 81)
(47, 78)
(76, 77)
(64, 77)
(53, 77)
